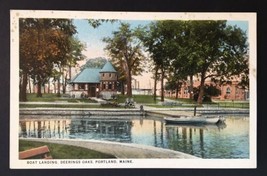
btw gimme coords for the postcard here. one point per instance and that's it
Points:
(98, 89)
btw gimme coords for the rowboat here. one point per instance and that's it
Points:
(206, 126)
(194, 120)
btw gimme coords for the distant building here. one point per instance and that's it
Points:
(94, 82)
(228, 91)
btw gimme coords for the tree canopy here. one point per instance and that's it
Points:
(97, 62)
(208, 49)
(126, 53)
(45, 43)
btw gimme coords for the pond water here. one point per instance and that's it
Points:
(229, 140)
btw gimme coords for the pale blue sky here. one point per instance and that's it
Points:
(93, 36)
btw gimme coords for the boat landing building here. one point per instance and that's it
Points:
(95, 82)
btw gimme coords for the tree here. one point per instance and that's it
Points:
(44, 43)
(73, 56)
(125, 52)
(158, 39)
(220, 51)
(97, 62)
(208, 49)
(97, 22)
(209, 91)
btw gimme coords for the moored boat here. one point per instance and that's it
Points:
(193, 120)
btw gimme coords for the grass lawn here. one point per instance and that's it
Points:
(57, 106)
(59, 151)
(223, 104)
(66, 106)
(140, 99)
(183, 100)
(173, 106)
(49, 97)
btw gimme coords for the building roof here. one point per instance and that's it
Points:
(108, 68)
(88, 75)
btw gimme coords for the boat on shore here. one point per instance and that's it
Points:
(194, 120)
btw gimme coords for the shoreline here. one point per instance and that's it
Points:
(120, 150)
(132, 112)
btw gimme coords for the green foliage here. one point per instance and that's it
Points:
(209, 91)
(49, 97)
(126, 54)
(44, 45)
(66, 105)
(60, 151)
(209, 49)
(98, 62)
(140, 99)
(173, 85)
(97, 22)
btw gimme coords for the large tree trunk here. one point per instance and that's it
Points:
(23, 88)
(155, 84)
(162, 85)
(39, 88)
(201, 89)
(64, 83)
(176, 91)
(69, 72)
(122, 88)
(44, 89)
(129, 84)
(191, 87)
(48, 85)
(58, 87)
(55, 89)
(29, 81)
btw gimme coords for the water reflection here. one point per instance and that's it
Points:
(78, 128)
(229, 140)
(189, 139)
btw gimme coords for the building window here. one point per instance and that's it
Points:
(103, 74)
(228, 90)
(110, 85)
(185, 91)
(110, 75)
(81, 86)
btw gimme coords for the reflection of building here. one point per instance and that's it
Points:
(107, 130)
(77, 128)
(93, 82)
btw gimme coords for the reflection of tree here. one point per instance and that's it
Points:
(23, 128)
(201, 136)
(39, 130)
(49, 129)
(184, 141)
(184, 138)
(191, 140)
(161, 134)
(155, 133)
(58, 129)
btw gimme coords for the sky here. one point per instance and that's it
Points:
(92, 37)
